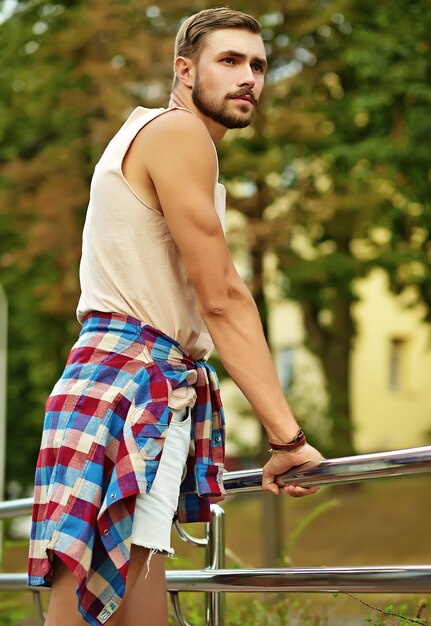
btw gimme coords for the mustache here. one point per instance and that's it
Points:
(243, 92)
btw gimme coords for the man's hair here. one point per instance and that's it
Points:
(194, 30)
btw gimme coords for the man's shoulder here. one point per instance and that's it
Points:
(179, 126)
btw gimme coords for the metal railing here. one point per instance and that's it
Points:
(214, 580)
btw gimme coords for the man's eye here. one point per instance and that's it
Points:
(257, 67)
(229, 60)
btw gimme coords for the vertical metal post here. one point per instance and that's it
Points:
(215, 606)
(3, 369)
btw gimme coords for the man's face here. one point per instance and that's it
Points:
(229, 76)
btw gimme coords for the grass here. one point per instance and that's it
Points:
(383, 522)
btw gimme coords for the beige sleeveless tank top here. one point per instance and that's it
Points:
(130, 264)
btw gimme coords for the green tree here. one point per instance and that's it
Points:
(69, 74)
(333, 177)
(366, 202)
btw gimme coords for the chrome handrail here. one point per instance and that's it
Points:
(370, 579)
(341, 470)
(215, 603)
(14, 508)
(330, 471)
(373, 579)
(215, 581)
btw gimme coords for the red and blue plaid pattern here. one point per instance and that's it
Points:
(105, 426)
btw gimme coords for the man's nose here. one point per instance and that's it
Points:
(247, 78)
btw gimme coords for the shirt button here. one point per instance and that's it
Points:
(219, 480)
(106, 532)
(217, 439)
(113, 495)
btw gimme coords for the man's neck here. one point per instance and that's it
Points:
(216, 130)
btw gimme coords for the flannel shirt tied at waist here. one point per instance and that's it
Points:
(105, 425)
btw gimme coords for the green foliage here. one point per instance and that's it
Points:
(249, 610)
(306, 520)
(63, 99)
(343, 186)
(11, 610)
(339, 154)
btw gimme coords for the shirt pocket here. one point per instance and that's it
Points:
(148, 427)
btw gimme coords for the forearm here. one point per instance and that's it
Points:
(238, 336)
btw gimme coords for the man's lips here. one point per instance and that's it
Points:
(244, 97)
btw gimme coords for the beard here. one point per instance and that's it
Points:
(218, 111)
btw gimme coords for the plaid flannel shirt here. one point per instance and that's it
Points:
(105, 426)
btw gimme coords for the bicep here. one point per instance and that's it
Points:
(184, 177)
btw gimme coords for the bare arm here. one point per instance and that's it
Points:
(182, 168)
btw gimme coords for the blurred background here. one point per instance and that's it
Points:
(329, 215)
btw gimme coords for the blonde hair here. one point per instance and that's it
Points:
(194, 30)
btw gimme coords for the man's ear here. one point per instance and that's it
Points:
(185, 71)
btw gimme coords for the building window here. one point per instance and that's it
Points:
(285, 367)
(397, 363)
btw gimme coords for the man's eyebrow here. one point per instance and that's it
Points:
(241, 55)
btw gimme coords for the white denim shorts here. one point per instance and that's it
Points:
(154, 511)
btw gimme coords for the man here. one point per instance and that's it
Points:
(136, 416)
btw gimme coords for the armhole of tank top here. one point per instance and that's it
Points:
(131, 140)
(126, 150)
(129, 143)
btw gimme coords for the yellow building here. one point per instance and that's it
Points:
(391, 370)
(390, 373)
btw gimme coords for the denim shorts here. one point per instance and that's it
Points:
(155, 510)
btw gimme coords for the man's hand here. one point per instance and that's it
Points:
(281, 463)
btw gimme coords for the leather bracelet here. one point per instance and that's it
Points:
(297, 442)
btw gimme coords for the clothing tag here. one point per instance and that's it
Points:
(107, 611)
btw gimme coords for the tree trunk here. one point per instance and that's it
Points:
(271, 509)
(333, 346)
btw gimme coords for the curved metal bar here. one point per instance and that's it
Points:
(176, 609)
(342, 470)
(215, 555)
(199, 542)
(375, 579)
(215, 603)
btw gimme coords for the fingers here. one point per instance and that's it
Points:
(268, 483)
(299, 492)
(290, 490)
(270, 474)
(272, 487)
